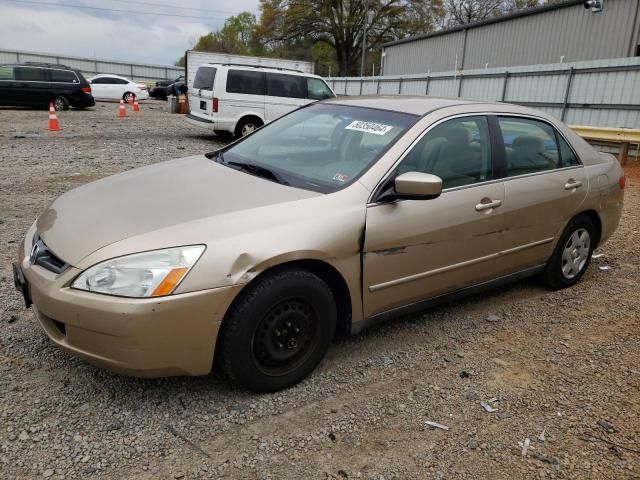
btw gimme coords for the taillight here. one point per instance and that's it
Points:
(622, 181)
(214, 107)
(86, 90)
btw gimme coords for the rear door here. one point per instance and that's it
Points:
(284, 94)
(32, 86)
(201, 92)
(544, 188)
(244, 95)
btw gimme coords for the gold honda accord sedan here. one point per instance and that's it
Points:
(332, 218)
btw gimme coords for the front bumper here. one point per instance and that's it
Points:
(151, 337)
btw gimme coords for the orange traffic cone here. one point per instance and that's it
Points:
(123, 111)
(54, 125)
(131, 97)
(136, 106)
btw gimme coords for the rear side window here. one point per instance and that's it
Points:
(530, 146)
(204, 78)
(66, 76)
(567, 157)
(31, 74)
(250, 83)
(317, 89)
(119, 81)
(292, 86)
(6, 73)
(101, 81)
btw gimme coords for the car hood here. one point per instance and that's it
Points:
(152, 198)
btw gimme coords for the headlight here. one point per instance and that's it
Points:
(148, 274)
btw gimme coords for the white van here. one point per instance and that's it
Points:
(234, 100)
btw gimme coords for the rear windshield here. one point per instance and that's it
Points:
(324, 147)
(204, 78)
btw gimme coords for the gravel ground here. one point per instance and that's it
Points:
(562, 369)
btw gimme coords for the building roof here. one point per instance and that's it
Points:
(504, 18)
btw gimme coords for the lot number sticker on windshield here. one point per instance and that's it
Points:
(369, 127)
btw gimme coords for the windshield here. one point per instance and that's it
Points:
(324, 147)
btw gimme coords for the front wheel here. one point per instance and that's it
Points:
(129, 97)
(60, 103)
(278, 331)
(572, 255)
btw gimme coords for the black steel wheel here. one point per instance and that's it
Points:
(278, 330)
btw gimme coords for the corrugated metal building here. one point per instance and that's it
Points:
(562, 32)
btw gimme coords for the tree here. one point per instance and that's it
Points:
(462, 12)
(340, 24)
(237, 36)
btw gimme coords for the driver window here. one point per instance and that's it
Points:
(458, 151)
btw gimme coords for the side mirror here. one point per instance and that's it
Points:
(417, 186)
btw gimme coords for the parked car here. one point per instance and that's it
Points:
(235, 100)
(334, 217)
(161, 90)
(37, 84)
(114, 87)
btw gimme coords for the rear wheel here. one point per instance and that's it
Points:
(61, 103)
(247, 126)
(572, 255)
(129, 97)
(278, 331)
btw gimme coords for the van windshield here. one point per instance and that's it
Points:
(323, 147)
(204, 78)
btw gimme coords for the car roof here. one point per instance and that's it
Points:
(413, 104)
(102, 75)
(236, 66)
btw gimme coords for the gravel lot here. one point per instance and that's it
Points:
(561, 368)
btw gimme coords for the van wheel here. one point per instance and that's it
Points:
(247, 126)
(572, 255)
(278, 331)
(60, 103)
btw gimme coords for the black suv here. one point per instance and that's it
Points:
(37, 84)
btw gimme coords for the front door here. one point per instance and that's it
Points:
(418, 249)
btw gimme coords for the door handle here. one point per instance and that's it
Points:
(571, 184)
(488, 204)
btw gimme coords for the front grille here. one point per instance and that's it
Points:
(41, 255)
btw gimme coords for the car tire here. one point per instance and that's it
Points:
(246, 126)
(572, 254)
(128, 97)
(278, 331)
(60, 103)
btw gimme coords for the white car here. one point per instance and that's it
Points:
(115, 87)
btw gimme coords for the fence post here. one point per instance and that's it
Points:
(566, 94)
(400, 86)
(57, 59)
(426, 88)
(346, 86)
(131, 70)
(361, 80)
(17, 57)
(95, 65)
(459, 86)
(166, 73)
(504, 86)
(378, 87)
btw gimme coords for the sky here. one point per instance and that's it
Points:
(54, 27)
